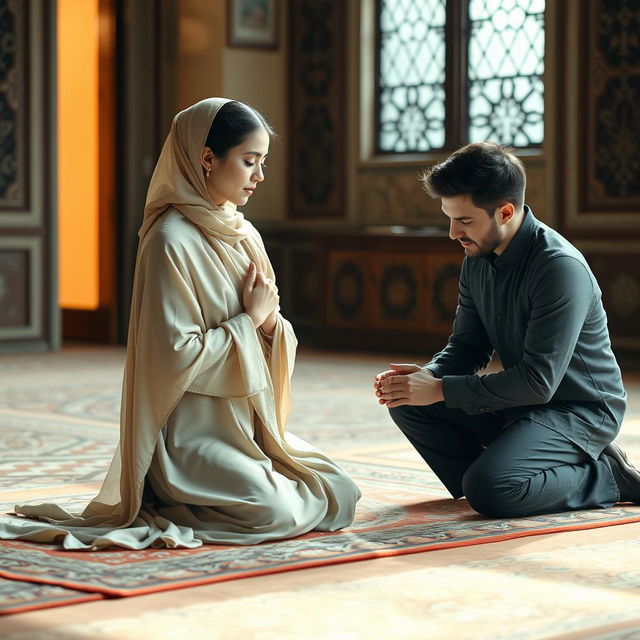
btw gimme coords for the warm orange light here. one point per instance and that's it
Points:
(78, 153)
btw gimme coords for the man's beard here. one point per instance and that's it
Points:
(486, 245)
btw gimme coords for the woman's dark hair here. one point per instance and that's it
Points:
(486, 171)
(231, 126)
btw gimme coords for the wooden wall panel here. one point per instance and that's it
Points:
(599, 95)
(610, 146)
(29, 316)
(317, 108)
(598, 155)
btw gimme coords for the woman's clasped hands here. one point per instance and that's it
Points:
(260, 299)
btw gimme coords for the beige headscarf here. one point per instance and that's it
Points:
(173, 345)
(178, 180)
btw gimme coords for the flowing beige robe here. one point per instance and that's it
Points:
(205, 396)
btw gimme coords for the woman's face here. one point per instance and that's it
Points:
(235, 177)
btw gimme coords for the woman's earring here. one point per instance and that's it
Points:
(208, 173)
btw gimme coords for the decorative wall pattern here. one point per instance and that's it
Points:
(611, 88)
(395, 196)
(317, 107)
(14, 79)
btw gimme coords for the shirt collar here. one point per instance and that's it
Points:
(516, 248)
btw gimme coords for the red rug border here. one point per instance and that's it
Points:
(370, 555)
(88, 596)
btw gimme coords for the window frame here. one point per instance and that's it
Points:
(456, 87)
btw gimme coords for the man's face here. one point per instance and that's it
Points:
(477, 232)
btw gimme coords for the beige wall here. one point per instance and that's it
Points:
(200, 51)
(260, 78)
(205, 66)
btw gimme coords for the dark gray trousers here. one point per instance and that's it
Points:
(521, 470)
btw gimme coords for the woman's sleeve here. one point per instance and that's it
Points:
(280, 362)
(225, 360)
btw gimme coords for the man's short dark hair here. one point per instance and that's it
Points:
(487, 172)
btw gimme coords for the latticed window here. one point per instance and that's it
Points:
(456, 71)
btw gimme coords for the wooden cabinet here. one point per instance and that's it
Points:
(362, 290)
(392, 290)
(369, 290)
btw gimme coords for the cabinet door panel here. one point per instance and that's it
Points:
(443, 273)
(348, 289)
(29, 314)
(307, 294)
(399, 301)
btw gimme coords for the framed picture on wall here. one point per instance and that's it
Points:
(253, 23)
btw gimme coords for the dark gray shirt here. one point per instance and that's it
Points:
(538, 305)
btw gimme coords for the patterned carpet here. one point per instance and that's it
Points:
(58, 426)
(390, 521)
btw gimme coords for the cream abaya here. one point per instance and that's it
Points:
(205, 396)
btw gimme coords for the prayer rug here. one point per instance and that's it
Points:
(59, 427)
(393, 518)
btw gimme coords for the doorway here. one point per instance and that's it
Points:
(86, 46)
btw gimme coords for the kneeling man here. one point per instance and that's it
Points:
(536, 437)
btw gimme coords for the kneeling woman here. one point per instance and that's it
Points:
(203, 453)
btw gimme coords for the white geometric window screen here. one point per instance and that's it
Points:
(505, 64)
(411, 75)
